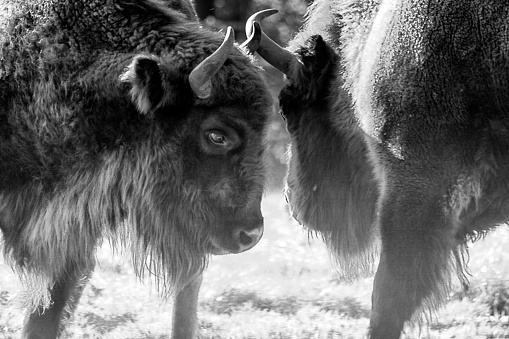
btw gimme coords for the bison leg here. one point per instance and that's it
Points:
(417, 244)
(65, 294)
(184, 311)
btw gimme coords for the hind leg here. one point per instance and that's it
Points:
(417, 244)
(65, 295)
(184, 311)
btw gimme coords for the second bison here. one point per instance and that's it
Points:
(398, 112)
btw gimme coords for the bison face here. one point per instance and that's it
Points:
(209, 175)
(228, 170)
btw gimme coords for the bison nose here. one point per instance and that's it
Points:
(247, 239)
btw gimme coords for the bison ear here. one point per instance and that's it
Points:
(319, 60)
(145, 76)
(318, 57)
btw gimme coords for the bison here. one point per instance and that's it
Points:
(398, 112)
(128, 121)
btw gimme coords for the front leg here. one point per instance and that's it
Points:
(184, 311)
(417, 255)
(47, 323)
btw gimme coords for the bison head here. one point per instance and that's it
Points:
(207, 172)
(170, 166)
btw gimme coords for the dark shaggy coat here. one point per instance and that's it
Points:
(399, 122)
(94, 143)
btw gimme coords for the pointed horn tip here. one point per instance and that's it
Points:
(258, 16)
(230, 34)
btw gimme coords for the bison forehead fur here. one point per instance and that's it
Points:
(400, 128)
(101, 135)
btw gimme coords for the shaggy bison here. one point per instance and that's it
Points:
(399, 119)
(124, 120)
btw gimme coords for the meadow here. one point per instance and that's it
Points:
(285, 287)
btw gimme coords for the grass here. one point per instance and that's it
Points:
(282, 288)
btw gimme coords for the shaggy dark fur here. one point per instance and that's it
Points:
(101, 136)
(400, 127)
(317, 185)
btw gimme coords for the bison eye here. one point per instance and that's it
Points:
(218, 138)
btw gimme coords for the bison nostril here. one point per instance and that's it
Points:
(245, 239)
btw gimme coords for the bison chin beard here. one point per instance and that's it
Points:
(172, 256)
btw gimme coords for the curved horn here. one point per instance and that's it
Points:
(200, 77)
(274, 54)
(253, 40)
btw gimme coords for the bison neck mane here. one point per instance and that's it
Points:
(131, 198)
(354, 29)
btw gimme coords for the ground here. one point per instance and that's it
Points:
(282, 288)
